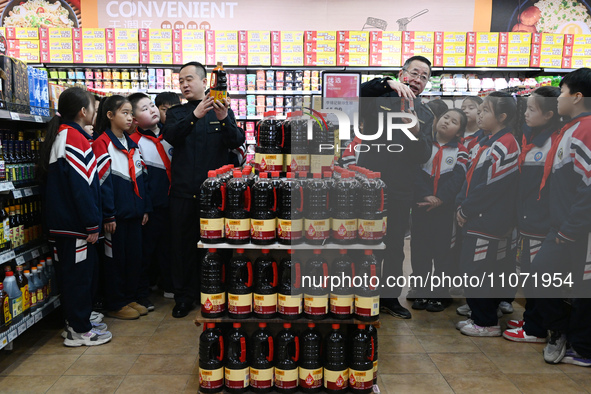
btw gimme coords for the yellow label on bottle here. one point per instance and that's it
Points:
(26, 297)
(294, 163)
(311, 378)
(367, 306)
(342, 304)
(212, 228)
(218, 94)
(344, 229)
(321, 163)
(6, 310)
(240, 304)
(211, 378)
(289, 304)
(261, 378)
(40, 295)
(263, 230)
(17, 306)
(286, 378)
(360, 380)
(316, 305)
(375, 369)
(213, 303)
(238, 229)
(237, 378)
(371, 229)
(33, 298)
(265, 304)
(317, 229)
(268, 162)
(336, 380)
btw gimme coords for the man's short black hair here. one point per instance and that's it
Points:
(200, 68)
(167, 98)
(421, 59)
(578, 81)
(135, 98)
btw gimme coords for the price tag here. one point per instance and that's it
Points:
(20, 260)
(57, 302)
(15, 116)
(17, 193)
(12, 335)
(45, 249)
(22, 328)
(4, 186)
(38, 119)
(35, 253)
(30, 322)
(38, 316)
(28, 192)
(3, 343)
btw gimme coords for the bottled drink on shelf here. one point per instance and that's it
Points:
(213, 294)
(321, 156)
(336, 371)
(261, 364)
(316, 216)
(374, 334)
(316, 292)
(44, 282)
(15, 295)
(342, 299)
(290, 220)
(53, 291)
(311, 373)
(295, 147)
(32, 291)
(6, 317)
(268, 156)
(212, 208)
(343, 197)
(361, 361)
(14, 229)
(211, 360)
(289, 293)
(367, 298)
(218, 85)
(20, 223)
(237, 373)
(264, 206)
(265, 286)
(2, 164)
(237, 212)
(240, 280)
(23, 285)
(38, 286)
(5, 233)
(372, 200)
(287, 354)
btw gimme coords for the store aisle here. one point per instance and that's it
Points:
(159, 354)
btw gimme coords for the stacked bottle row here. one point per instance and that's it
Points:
(344, 207)
(20, 222)
(289, 361)
(284, 145)
(18, 156)
(290, 289)
(25, 290)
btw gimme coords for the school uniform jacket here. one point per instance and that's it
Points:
(120, 200)
(452, 164)
(570, 182)
(72, 189)
(470, 141)
(158, 167)
(533, 211)
(489, 203)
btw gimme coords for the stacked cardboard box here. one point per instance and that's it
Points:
(221, 46)
(122, 46)
(320, 48)
(287, 48)
(514, 49)
(188, 46)
(417, 43)
(89, 45)
(385, 48)
(482, 49)
(449, 49)
(352, 48)
(155, 46)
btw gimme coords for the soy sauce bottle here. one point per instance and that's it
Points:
(212, 200)
(261, 365)
(311, 373)
(237, 372)
(316, 293)
(211, 360)
(336, 371)
(264, 206)
(374, 334)
(342, 299)
(240, 279)
(290, 222)
(289, 292)
(265, 286)
(361, 361)
(367, 298)
(237, 212)
(218, 85)
(316, 216)
(287, 354)
(213, 293)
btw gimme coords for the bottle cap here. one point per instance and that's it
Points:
(27, 272)
(230, 166)
(210, 325)
(317, 175)
(263, 175)
(275, 174)
(311, 325)
(212, 250)
(262, 325)
(220, 171)
(240, 250)
(42, 261)
(361, 326)
(237, 174)
(245, 171)
(39, 266)
(286, 325)
(289, 251)
(265, 251)
(236, 325)
(336, 326)
(9, 273)
(378, 174)
(211, 174)
(220, 64)
(342, 251)
(290, 175)
(368, 252)
(33, 269)
(317, 251)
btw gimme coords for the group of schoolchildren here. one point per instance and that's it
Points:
(107, 171)
(484, 198)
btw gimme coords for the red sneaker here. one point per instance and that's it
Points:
(519, 335)
(515, 323)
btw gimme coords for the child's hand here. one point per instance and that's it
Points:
(110, 227)
(145, 219)
(461, 221)
(431, 202)
(92, 238)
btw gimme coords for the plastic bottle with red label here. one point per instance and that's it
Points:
(237, 213)
(240, 285)
(343, 196)
(316, 216)
(290, 222)
(265, 286)
(262, 370)
(336, 371)
(287, 354)
(237, 372)
(371, 212)
(367, 298)
(289, 292)
(213, 293)
(311, 371)
(268, 155)
(374, 334)
(361, 361)
(342, 297)
(212, 202)
(295, 145)
(263, 214)
(316, 288)
(211, 360)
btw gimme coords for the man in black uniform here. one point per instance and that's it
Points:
(399, 170)
(202, 132)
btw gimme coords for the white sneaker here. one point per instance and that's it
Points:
(519, 335)
(96, 317)
(168, 295)
(90, 338)
(102, 327)
(474, 330)
(506, 307)
(464, 310)
(461, 324)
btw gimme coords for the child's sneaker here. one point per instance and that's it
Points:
(515, 323)
(464, 310)
(168, 294)
(506, 307)
(519, 335)
(95, 326)
(474, 330)
(574, 358)
(96, 317)
(461, 324)
(420, 304)
(556, 348)
(90, 338)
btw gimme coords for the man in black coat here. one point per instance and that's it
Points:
(398, 170)
(201, 132)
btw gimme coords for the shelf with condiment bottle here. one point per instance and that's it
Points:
(303, 246)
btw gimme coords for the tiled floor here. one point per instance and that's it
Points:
(158, 354)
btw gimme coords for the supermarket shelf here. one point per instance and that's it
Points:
(450, 94)
(11, 115)
(514, 69)
(19, 328)
(278, 246)
(200, 319)
(6, 186)
(24, 191)
(254, 117)
(30, 252)
(276, 92)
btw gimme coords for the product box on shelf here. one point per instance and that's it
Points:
(288, 59)
(513, 61)
(353, 36)
(578, 62)
(155, 58)
(230, 59)
(89, 34)
(288, 37)
(515, 38)
(551, 50)
(352, 48)
(482, 38)
(320, 59)
(189, 40)
(548, 39)
(53, 33)
(418, 37)
(450, 37)
(22, 33)
(226, 41)
(387, 49)
(481, 60)
(254, 59)
(452, 60)
(410, 48)
(350, 59)
(6, 81)
(385, 36)
(187, 56)
(320, 47)
(550, 61)
(406, 56)
(581, 39)
(122, 57)
(321, 36)
(450, 48)
(27, 50)
(20, 85)
(581, 51)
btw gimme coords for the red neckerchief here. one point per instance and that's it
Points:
(473, 167)
(158, 142)
(436, 167)
(131, 166)
(525, 148)
(550, 158)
